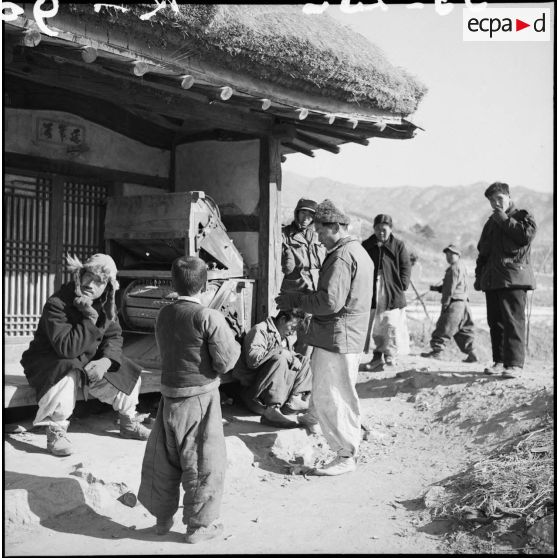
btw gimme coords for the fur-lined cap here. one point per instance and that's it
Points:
(326, 212)
(104, 266)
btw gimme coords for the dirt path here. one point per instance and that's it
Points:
(425, 426)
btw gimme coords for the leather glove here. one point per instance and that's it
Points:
(436, 288)
(85, 305)
(500, 216)
(96, 369)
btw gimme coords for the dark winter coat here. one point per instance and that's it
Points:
(301, 259)
(196, 346)
(340, 307)
(395, 264)
(504, 259)
(66, 340)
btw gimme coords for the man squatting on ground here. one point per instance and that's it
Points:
(340, 310)
(455, 319)
(302, 255)
(187, 443)
(78, 343)
(274, 378)
(504, 273)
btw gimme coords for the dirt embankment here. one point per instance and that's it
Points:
(428, 422)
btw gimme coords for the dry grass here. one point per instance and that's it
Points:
(517, 480)
(276, 43)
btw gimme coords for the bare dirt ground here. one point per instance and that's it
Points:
(428, 421)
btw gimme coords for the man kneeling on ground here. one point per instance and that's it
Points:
(274, 378)
(78, 342)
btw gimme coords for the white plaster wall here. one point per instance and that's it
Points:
(229, 173)
(106, 149)
(226, 170)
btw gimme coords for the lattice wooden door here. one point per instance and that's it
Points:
(28, 276)
(84, 215)
(44, 218)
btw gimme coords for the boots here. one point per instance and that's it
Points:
(296, 404)
(132, 428)
(58, 442)
(274, 417)
(471, 357)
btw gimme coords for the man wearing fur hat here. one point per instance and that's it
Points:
(505, 275)
(340, 309)
(78, 342)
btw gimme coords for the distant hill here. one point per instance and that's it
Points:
(427, 218)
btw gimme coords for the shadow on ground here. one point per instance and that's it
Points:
(60, 505)
(411, 381)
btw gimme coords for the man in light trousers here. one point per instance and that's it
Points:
(340, 309)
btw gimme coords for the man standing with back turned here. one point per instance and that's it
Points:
(340, 310)
(504, 273)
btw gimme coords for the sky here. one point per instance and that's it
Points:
(488, 113)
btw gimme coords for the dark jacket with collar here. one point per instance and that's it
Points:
(340, 307)
(66, 340)
(394, 261)
(302, 255)
(260, 344)
(196, 346)
(504, 259)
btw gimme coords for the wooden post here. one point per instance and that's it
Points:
(269, 251)
(56, 233)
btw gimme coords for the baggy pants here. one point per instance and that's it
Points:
(187, 446)
(57, 404)
(335, 399)
(505, 312)
(275, 381)
(388, 332)
(455, 321)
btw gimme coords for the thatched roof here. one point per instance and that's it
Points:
(275, 43)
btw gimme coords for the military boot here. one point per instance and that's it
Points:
(132, 428)
(58, 442)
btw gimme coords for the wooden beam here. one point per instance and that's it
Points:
(186, 81)
(325, 130)
(70, 168)
(88, 30)
(298, 148)
(91, 81)
(89, 54)
(306, 138)
(27, 94)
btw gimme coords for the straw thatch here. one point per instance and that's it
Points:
(275, 43)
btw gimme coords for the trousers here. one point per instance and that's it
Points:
(275, 381)
(335, 401)
(505, 312)
(57, 404)
(454, 322)
(187, 446)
